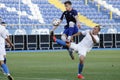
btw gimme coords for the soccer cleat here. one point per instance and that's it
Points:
(53, 36)
(71, 53)
(10, 77)
(54, 39)
(80, 76)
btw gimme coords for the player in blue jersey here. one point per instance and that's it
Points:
(71, 16)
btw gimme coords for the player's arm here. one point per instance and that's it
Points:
(61, 19)
(6, 37)
(94, 40)
(77, 19)
(9, 42)
(77, 34)
(78, 22)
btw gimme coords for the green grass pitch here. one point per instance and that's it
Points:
(99, 65)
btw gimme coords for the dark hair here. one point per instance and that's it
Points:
(98, 26)
(3, 23)
(68, 2)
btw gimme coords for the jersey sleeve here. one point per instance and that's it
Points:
(62, 17)
(97, 39)
(7, 32)
(75, 13)
(4, 34)
(85, 32)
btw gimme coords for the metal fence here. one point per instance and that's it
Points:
(44, 42)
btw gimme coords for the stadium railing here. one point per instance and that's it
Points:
(117, 40)
(43, 41)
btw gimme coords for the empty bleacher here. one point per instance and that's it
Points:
(15, 12)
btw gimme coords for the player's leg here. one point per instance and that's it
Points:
(5, 67)
(61, 42)
(82, 54)
(64, 37)
(5, 59)
(72, 30)
(4, 63)
(4, 53)
(80, 67)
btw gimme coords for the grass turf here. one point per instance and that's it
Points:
(99, 65)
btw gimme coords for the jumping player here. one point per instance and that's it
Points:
(4, 37)
(91, 38)
(71, 16)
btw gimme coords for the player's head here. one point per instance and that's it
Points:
(68, 5)
(96, 29)
(3, 24)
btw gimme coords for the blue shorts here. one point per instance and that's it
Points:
(68, 32)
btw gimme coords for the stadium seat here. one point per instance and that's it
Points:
(108, 40)
(32, 42)
(117, 40)
(18, 41)
(10, 12)
(44, 42)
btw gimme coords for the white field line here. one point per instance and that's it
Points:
(38, 78)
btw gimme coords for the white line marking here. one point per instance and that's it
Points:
(38, 78)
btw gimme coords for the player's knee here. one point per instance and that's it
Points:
(71, 24)
(1, 62)
(63, 37)
(82, 59)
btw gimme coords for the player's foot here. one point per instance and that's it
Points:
(80, 76)
(10, 77)
(71, 53)
(54, 38)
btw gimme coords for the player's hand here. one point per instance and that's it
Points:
(71, 39)
(11, 45)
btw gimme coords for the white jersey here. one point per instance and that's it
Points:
(87, 41)
(3, 36)
(86, 44)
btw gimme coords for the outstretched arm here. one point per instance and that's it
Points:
(94, 40)
(61, 19)
(9, 42)
(78, 22)
(77, 34)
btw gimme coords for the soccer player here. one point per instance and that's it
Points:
(4, 24)
(91, 38)
(71, 16)
(4, 37)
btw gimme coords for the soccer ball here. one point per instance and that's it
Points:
(56, 22)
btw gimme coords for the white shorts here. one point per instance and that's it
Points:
(1, 57)
(81, 50)
(2, 50)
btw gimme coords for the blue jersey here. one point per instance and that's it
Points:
(69, 16)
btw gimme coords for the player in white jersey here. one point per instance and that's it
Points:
(83, 47)
(4, 37)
